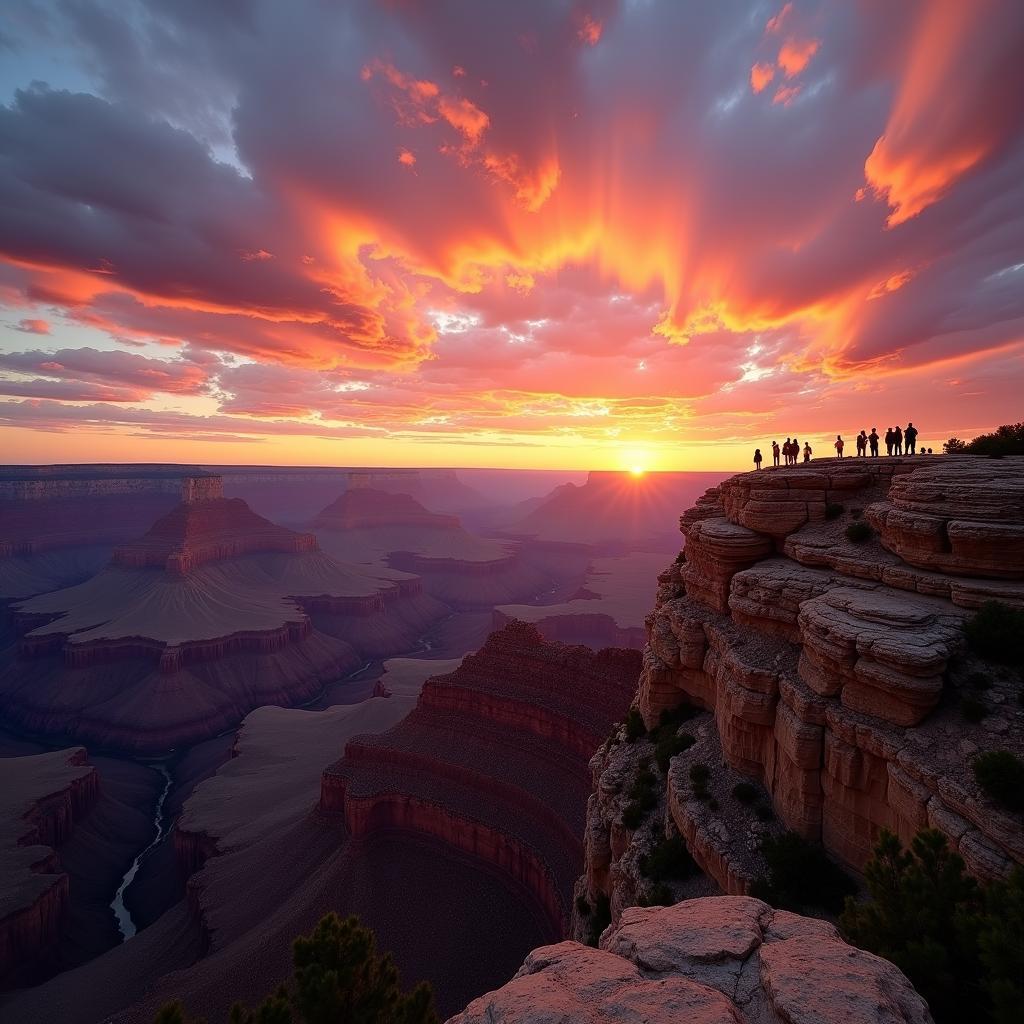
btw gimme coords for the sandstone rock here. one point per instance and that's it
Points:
(727, 959)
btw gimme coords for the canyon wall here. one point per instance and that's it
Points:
(815, 624)
(493, 760)
(42, 797)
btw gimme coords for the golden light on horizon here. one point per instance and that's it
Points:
(637, 470)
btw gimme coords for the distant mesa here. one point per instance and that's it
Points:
(378, 528)
(612, 512)
(214, 611)
(493, 760)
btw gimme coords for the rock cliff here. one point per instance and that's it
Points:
(41, 798)
(815, 625)
(493, 760)
(723, 960)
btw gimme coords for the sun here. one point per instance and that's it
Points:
(637, 470)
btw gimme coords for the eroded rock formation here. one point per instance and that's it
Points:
(213, 612)
(493, 760)
(721, 960)
(41, 798)
(829, 671)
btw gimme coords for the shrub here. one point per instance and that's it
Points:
(745, 792)
(668, 859)
(764, 812)
(858, 531)
(699, 773)
(972, 709)
(338, 976)
(996, 632)
(582, 906)
(958, 944)
(670, 744)
(713, 804)
(632, 816)
(833, 510)
(801, 876)
(1001, 775)
(635, 727)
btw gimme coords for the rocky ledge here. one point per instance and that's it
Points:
(720, 960)
(816, 620)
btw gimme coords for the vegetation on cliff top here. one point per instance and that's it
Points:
(801, 877)
(339, 978)
(961, 944)
(1005, 440)
(1001, 775)
(996, 632)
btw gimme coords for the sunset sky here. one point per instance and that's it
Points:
(551, 234)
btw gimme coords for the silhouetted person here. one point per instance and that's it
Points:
(929, 451)
(839, 445)
(787, 449)
(910, 436)
(775, 452)
(807, 452)
(897, 440)
(873, 441)
(757, 458)
(890, 440)
(862, 443)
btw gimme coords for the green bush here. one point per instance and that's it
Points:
(959, 944)
(996, 632)
(668, 745)
(339, 977)
(745, 792)
(801, 877)
(1005, 440)
(635, 727)
(1001, 775)
(858, 531)
(833, 510)
(668, 859)
(972, 709)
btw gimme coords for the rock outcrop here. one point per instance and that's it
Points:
(213, 612)
(41, 798)
(493, 760)
(723, 960)
(829, 670)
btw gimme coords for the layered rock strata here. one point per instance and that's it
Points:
(41, 798)
(493, 760)
(213, 612)
(724, 960)
(830, 671)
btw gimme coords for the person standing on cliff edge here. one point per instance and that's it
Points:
(839, 445)
(910, 436)
(757, 458)
(775, 452)
(873, 441)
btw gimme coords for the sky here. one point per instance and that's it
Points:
(548, 234)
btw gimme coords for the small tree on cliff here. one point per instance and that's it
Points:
(960, 945)
(339, 978)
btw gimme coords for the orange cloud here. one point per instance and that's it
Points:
(775, 23)
(590, 30)
(760, 76)
(407, 158)
(785, 94)
(464, 116)
(796, 54)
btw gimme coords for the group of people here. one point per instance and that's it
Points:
(898, 441)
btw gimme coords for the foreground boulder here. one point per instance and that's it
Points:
(720, 960)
